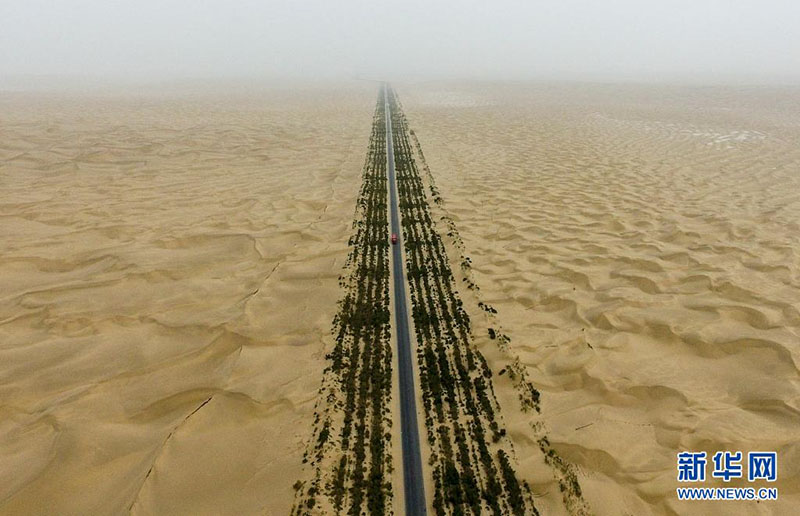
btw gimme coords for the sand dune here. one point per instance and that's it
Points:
(168, 276)
(170, 269)
(640, 245)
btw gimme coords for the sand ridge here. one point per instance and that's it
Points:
(639, 244)
(168, 275)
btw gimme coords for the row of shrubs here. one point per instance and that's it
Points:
(350, 451)
(472, 472)
(529, 396)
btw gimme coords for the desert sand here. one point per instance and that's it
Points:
(168, 276)
(170, 261)
(640, 246)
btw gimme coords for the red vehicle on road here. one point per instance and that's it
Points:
(394, 238)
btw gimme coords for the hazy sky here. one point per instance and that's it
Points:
(603, 39)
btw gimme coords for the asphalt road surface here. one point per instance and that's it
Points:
(413, 484)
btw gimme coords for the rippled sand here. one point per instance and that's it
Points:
(168, 276)
(641, 245)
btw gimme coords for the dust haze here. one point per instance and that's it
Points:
(709, 40)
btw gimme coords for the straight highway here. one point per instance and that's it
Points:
(413, 485)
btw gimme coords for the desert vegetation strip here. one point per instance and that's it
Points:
(564, 473)
(471, 460)
(349, 454)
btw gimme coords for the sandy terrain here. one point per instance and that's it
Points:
(640, 245)
(169, 267)
(168, 277)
